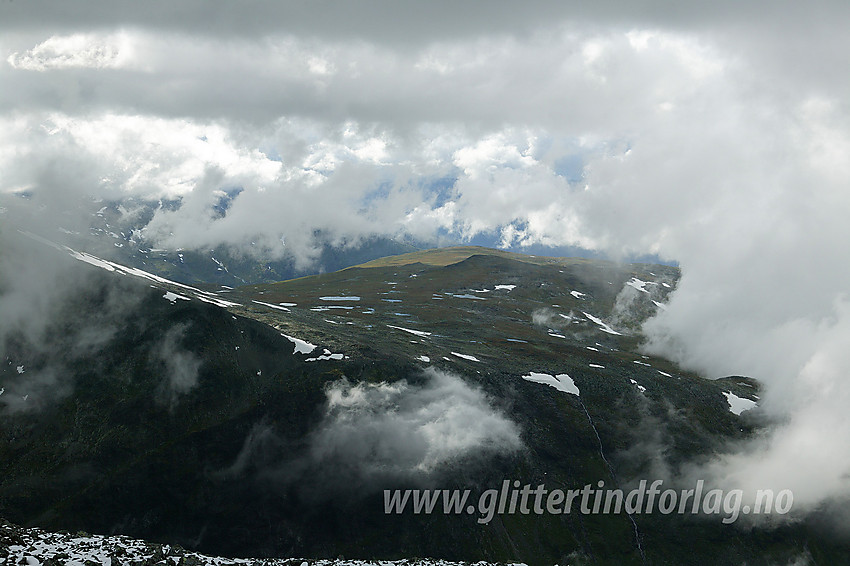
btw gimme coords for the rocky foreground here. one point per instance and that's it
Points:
(35, 547)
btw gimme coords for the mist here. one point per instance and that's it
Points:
(404, 429)
(180, 366)
(53, 313)
(371, 435)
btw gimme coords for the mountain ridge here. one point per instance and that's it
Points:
(219, 420)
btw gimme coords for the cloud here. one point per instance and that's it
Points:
(295, 121)
(52, 315)
(372, 435)
(763, 294)
(402, 430)
(181, 366)
(34, 390)
(73, 51)
(551, 319)
(804, 364)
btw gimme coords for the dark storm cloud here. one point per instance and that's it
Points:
(401, 22)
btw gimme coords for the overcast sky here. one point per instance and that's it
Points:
(715, 134)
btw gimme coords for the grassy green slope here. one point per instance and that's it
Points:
(456, 254)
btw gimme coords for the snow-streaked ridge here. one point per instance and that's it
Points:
(107, 265)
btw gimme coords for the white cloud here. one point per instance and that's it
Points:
(410, 431)
(78, 50)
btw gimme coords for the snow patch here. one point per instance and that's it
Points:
(217, 302)
(638, 284)
(326, 355)
(271, 306)
(561, 382)
(737, 404)
(301, 346)
(169, 296)
(466, 357)
(603, 327)
(415, 332)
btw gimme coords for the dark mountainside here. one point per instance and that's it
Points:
(153, 413)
